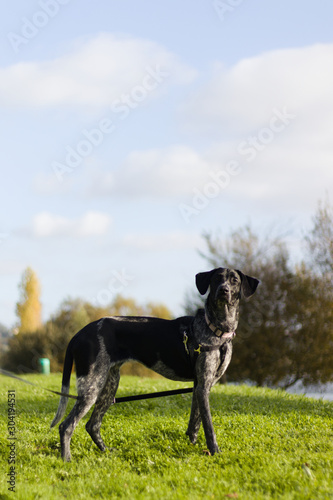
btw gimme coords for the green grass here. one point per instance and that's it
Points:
(265, 436)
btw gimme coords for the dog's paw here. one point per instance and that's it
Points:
(214, 449)
(192, 437)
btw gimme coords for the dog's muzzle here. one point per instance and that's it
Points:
(222, 292)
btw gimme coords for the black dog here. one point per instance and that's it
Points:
(196, 348)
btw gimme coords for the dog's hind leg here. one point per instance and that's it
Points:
(104, 401)
(89, 387)
(195, 419)
(66, 429)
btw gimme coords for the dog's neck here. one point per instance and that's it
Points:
(222, 319)
(217, 331)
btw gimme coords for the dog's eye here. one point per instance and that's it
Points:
(234, 279)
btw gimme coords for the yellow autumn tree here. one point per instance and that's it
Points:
(29, 307)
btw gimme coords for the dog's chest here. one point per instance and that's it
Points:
(225, 358)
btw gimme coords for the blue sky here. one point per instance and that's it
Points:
(131, 128)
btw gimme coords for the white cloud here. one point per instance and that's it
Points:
(282, 100)
(291, 169)
(283, 170)
(93, 74)
(286, 179)
(91, 223)
(240, 99)
(165, 172)
(280, 175)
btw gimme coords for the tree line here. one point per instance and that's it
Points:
(34, 339)
(285, 334)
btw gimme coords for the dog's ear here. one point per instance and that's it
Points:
(249, 285)
(202, 280)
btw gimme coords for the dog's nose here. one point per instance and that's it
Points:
(222, 289)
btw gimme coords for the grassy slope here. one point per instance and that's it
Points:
(265, 437)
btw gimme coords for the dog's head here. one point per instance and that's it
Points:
(226, 285)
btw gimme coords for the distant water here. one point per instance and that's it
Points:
(314, 391)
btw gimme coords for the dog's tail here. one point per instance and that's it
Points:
(66, 376)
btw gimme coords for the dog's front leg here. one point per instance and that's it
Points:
(206, 368)
(195, 419)
(202, 395)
